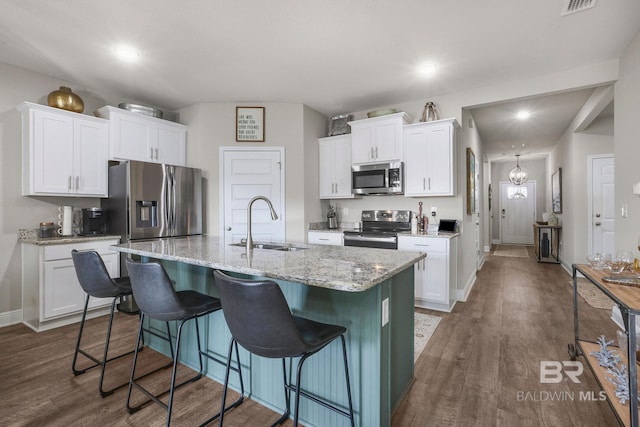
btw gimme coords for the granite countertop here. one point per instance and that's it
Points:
(341, 268)
(438, 234)
(62, 240)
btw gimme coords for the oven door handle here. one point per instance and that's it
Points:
(370, 239)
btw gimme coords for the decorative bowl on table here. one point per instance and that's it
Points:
(616, 265)
(596, 262)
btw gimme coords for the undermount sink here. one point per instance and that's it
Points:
(285, 247)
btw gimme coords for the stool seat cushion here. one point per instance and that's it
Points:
(195, 303)
(94, 277)
(157, 299)
(315, 334)
(260, 320)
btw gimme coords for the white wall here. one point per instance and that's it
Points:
(453, 105)
(16, 211)
(571, 154)
(627, 147)
(292, 126)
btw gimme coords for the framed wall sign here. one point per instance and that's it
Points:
(249, 124)
(472, 201)
(556, 191)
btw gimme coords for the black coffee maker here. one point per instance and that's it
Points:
(92, 222)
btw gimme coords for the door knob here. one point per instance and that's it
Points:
(228, 228)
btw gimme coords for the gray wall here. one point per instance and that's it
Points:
(627, 147)
(292, 126)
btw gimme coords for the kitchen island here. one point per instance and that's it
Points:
(369, 291)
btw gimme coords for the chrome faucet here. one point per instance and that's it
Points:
(274, 216)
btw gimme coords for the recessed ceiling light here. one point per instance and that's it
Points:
(427, 69)
(522, 115)
(127, 53)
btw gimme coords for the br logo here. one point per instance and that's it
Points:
(553, 371)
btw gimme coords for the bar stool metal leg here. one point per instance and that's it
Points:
(97, 362)
(223, 408)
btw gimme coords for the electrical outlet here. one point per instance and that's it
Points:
(624, 210)
(434, 211)
(385, 311)
(345, 211)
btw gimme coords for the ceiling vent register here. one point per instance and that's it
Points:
(574, 6)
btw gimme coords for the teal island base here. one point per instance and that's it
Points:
(380, 352)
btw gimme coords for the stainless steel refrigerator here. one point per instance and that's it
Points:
(152, 200)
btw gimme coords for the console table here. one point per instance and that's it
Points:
(546, 239)
(628, 300)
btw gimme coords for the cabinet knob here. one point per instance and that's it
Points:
(598, 224)
(228, 228)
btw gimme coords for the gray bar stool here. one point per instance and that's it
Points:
(95, 281)
(157, 299)
(260, 321)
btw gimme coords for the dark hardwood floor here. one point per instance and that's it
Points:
(480, 368)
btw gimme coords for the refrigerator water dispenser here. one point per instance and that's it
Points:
(146, 213)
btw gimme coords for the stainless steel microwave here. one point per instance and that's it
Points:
(378, 178)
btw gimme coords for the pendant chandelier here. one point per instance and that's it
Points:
(518, 176)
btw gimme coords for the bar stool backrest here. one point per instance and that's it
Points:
(93, 275)
(153, 291)
(259, 317)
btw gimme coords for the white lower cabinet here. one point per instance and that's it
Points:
(436, 275)
(324, 238)
(51, 294)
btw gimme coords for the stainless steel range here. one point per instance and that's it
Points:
(379, 229)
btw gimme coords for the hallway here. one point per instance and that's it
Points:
(481, 367)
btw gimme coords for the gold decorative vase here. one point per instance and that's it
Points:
(65, 99)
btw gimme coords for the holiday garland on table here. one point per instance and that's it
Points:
(611, 361)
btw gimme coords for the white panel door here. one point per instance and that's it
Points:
(517, 212)
(603, 216)
(244, 175)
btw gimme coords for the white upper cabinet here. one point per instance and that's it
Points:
(134, 136)
(63, 153)
(429, 158)
(378, 139)
(335, 167)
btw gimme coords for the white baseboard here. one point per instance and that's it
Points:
(482, 260)
(463, 294)
(10, 317)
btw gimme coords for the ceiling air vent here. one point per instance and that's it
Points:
(573, 6)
